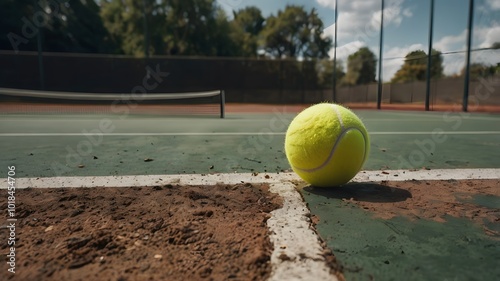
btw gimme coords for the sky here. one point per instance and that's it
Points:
(406, 27)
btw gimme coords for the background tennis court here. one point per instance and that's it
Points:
(102, 145)
(108, 145)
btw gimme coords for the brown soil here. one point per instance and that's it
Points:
(149, 233)
(428, 199)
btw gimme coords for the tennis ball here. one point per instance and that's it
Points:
(326, 144)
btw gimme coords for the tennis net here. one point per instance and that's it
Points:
(21, 101)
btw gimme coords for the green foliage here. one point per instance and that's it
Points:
(415, 67)
(175, 27)
(250, 20)
(246, 27)
(65, 26)
(11, 14)
(84, 30)
(191, 27)
(361, 67)
(479, 70)
(126, 19)
(324, 68)
(163, 27)
(295, 33)
(437, 64)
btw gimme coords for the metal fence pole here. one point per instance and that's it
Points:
(467, 60)
(379, 91)
(429, 57)
(334, 82)
(146, 31)
(41, 71)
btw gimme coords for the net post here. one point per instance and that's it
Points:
(222, 103)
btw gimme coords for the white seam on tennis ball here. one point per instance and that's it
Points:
(339, 116)
(344, 131)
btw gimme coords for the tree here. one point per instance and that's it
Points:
(361, 67)
(124, 19)
(437, 64)
(415, 67)
(82, 30)
(65, 26)
(324, 68)
(224, 39)
(190, 26)
(479, 70)
(295, 33)
(247, 25)
(175, 27)
(12, 13)
(249, 19)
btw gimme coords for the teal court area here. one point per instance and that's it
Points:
(369, 248)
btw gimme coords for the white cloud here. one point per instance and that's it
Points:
(486, 57)
(494, 4)
(231, 5)
(393, 13)
(488, 36)
(451, 42)
(453, 64)
(345, 50)
(484, 37)
(408, 13)
(401, 52)
(360, 19)
(327, 3)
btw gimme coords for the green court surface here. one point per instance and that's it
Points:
(91, 145)
(46, 146)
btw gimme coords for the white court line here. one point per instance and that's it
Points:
(290, 226)
(235, 134)
(234, 178)
(440, 132)
(366, 120)
(440, 115)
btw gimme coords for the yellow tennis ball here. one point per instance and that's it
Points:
(327, 144)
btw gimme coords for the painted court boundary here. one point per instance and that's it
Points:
(290, 227)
